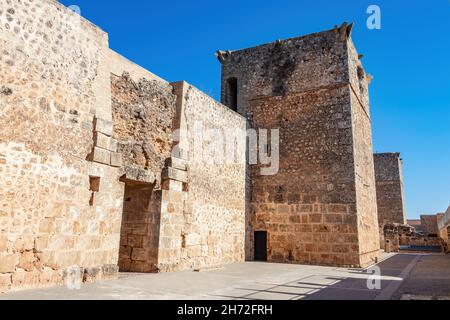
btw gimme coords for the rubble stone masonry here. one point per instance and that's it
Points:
(57, 208)
(429, 224)
(105, 167)
(320, 208)
(390, 191)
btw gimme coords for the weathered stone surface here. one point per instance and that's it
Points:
(429, 224)
(92, 275)
(172, 185)
(116, 159)
(3, 243)
(104, 127)
(177, 163)
(8, 262)
(110, 271)
(174, 174)
(143, 115)
(102, 166)
(5, 282)
(49, 98)
(313, 89)
(101, 156)
(102, 141)
(204, 224)
(396, 235)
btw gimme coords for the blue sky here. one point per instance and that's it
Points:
(409, 59)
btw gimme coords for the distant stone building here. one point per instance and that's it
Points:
(417, 224)
(444, 230)
(390, 190)
(106, 167)
(427, 225)
(321, 206)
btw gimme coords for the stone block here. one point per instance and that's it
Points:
(8, 262)
(113, 145)
(101, 156)
(116, 159)
(172, 185)
(110, 271)
(27, 261)
(341, 248)
(174, 174)
(41, 243)
(177, 163)
(24, 243)
(103, 126)
(49, 277)
(23, 279)
(47, 226)
(194, 251)
(192, 240)
(180, 154)
(102, 141)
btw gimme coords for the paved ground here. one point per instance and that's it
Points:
(430, 276)
(429, 280)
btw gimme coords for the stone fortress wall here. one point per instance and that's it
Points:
(57, 209)
(320, 208)
(87, 174)
(105, 167)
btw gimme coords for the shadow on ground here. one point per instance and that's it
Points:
(357, 284)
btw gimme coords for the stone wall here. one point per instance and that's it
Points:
(366, 201)
(417, 225)
(57, 209)
(429, 224)
(86, 161)
(143, 116)
(398, 235)
(143, 113)
(320, 208)
(103, 164)
(212, 228)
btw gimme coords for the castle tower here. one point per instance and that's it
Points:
(320, 208)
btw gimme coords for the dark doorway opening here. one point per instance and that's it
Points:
(260, 246)
(140, 228)
(232, 93)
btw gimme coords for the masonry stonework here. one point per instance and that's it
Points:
(429, 224)
(320, 208)
(105, 167)
(390, 190)
(51, 107)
